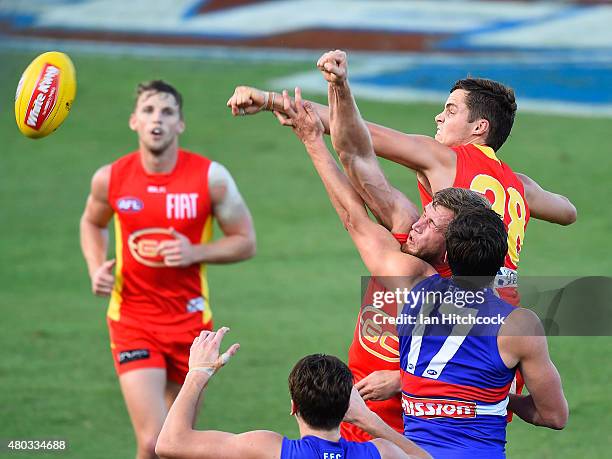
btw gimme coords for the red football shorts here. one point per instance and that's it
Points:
(135, 348)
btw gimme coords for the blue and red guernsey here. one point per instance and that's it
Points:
(147, 293)
(454, 383)
(317, 448)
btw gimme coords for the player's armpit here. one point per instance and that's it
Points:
(221, 445)
(522, 342)
(547, 206)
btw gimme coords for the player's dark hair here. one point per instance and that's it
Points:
(160, 86)
(320, 386)
(492, 101)
(458, 199)
(476, 245)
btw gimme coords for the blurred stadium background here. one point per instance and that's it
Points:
(301, 292)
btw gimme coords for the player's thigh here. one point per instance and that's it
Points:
(144, 393)
(172, 390)
(176, 348)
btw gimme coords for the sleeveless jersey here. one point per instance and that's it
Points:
(316, 448)
(454, 383)
(146, 292)
(478, 169)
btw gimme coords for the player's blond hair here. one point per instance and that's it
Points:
(458, 199)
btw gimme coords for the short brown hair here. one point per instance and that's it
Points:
(458, 199)
(476, 244)
(320, 387)
(492, 101)
(160, 86)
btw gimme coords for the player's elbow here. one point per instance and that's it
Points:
(167, 448)
(558, 418)
(570, 215)
(556, 422)
(250, 246)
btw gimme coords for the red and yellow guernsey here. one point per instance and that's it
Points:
(375, 347)
(147, 293)
(478, 169)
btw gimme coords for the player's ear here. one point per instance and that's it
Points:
(132, 121)
(181, 126)
(481, 127)
(293, 409)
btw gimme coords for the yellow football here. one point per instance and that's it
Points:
(45, 94)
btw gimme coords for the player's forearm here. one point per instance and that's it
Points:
(377, 428)
(228, 249)
(344, 198)
(545, 205)
(349, 133)
(181, 418)
(94, 244)
(525, 407)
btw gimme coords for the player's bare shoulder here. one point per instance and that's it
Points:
(521, 322)
(219, 179)
(228, 204)
(520, 336)
(100, 182)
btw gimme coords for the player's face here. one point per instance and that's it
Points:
(157, 120)
(453, 126)
(426, 238)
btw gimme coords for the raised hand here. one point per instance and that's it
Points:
(302, 118)
(204, 353)
(334, 66)
(248, 101)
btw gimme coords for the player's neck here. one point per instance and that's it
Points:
(476, 140)
(329, 435)
(159, 163)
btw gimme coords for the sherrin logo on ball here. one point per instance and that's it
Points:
(45, 94)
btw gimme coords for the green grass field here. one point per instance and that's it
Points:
(299, 295)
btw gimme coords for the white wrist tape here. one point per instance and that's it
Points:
(211, 368)
(208, 370)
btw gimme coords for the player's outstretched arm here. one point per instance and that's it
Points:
(548, 206)
(418, 152)
(352, 142)
(378, 248)
(232, 214)
(94, 233)
(522, 342)
(389, 443)
(179, 439)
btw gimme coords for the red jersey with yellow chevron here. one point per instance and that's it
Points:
(478, 169)
(146, 292)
